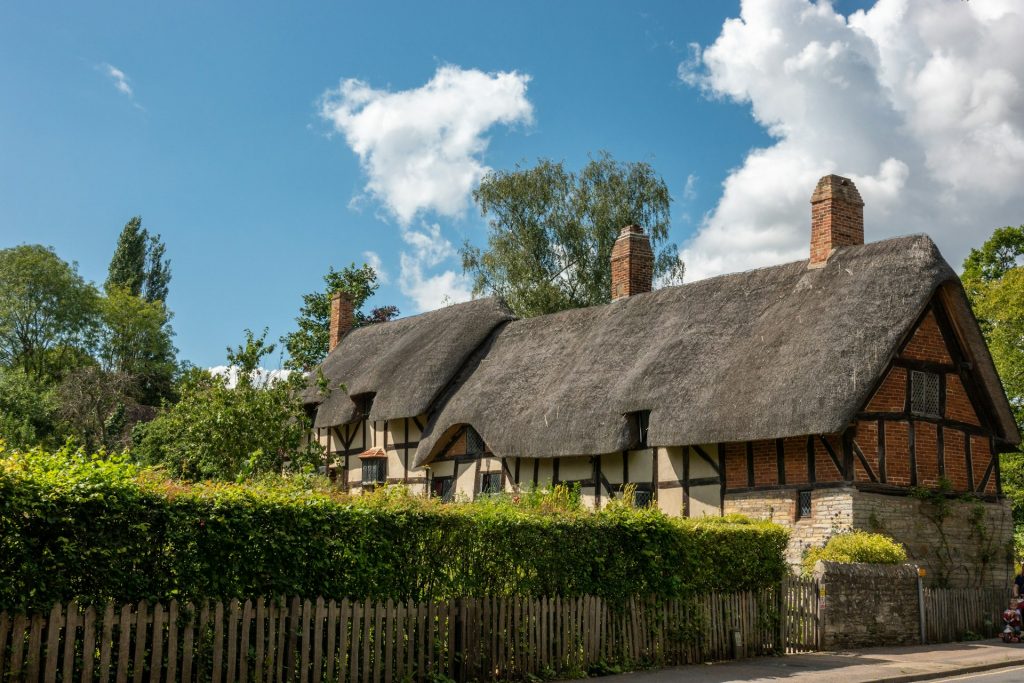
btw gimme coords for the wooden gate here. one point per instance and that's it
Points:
(799, 618)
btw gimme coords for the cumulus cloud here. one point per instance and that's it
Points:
(422, 149)
(921, 103)
(430, 249)
(373, 260)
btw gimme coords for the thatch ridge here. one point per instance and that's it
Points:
(780, 351)
(404, 363)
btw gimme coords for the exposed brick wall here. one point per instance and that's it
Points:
(866, 437)
(736, 465)
(956, 462)
(927, 343)
(926, 450)
(796, 460)
(824, 467)
(891, 395)
(766, 463)
(981, 455)
(342, 318)
(897, 453)
(837, 217)
(632, 263)
(958, 405)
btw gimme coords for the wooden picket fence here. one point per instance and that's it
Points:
(952, 614)
(276, 640)
(798, 614)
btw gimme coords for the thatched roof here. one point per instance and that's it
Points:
(769, 353)
(405, 363)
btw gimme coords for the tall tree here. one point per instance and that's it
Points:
(307, 346)
(221, 432)
(158, 272)
(128, 265)
(135, 341)
(48, 313)
(994, 280)
(138, 264)
(552, 231)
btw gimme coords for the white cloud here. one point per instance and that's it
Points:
(921, 103)
(120, 79)
(422, 149)
(372, 259)
(690, 189)
(430, 249)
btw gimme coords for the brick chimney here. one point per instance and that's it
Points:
(837, 217)
(632, 263)
(342, 318)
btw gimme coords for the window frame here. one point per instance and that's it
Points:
(800, 495)
(381, 478)
(489, 476)
(445, 496)
(926, 383)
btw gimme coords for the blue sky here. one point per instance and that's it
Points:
(210, 122)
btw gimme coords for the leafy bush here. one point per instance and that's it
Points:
(856, 546)
(73, 525)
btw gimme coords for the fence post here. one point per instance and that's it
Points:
(920, 602)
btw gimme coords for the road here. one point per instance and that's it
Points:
(1013, 674)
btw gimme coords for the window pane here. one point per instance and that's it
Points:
(490, 483)
(924, 393)
(642, 498)
(804, 504)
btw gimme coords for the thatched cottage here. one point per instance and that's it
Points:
(821, 393)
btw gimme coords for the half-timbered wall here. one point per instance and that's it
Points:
(398, 438)
(890, 447)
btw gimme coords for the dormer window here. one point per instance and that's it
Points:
(924, 393)
(363, 404)
(642, 420)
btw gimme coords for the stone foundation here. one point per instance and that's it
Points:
(973, 545)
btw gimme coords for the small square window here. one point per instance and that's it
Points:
(375, 471)
(443, 488)
(490, 482)
(924, 393)
(803, 504)
(643, 497)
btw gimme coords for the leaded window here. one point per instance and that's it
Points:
(924, 393)
(490, 482)
(474, 444)
(443, 488)
(643, 497)
(375, 471)
(803, 504)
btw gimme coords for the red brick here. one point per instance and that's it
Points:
(891, 395)
(958, 405)
(927, 343)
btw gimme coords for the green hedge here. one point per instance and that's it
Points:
(89, 528)
(856, 546)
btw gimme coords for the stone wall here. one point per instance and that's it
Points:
(855, 613)
(971, 547)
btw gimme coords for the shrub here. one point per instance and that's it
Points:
(92, 528)
(856, 546)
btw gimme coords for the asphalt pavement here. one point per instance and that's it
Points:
(998, 662)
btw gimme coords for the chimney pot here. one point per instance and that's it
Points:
(632, 263)
(837, 218)
(342, 318)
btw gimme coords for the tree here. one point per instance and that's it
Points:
(221, 432)
(92, 403)
(307, 346)
(135, 341)
(138, 264)
(27, 410)
(994, 280)
(47, 311)
(551, 232)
